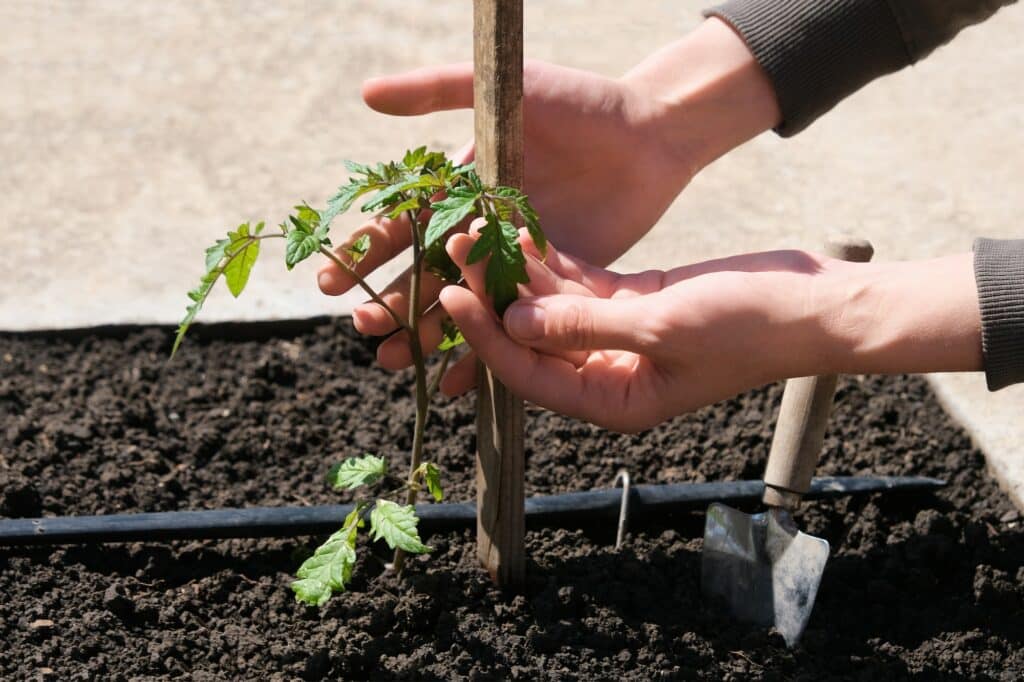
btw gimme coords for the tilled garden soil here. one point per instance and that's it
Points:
(922, 585)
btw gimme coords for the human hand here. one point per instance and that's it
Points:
(629, 351)
(604, 157)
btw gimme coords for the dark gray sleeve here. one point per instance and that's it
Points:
(817, 52)
(999, 273)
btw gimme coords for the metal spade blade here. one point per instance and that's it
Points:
(762, 567)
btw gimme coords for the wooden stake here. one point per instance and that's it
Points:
(498, 107)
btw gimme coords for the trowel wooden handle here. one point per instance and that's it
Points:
(803, 416)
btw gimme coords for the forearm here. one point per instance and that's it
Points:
(817, 52)
(888, 318)
(707, 92)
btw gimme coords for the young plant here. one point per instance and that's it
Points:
(435, 195)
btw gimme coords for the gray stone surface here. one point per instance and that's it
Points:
(133, 133)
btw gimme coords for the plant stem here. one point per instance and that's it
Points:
(416, 349)
(374, 296)
(435, 383)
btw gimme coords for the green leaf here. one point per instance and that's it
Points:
(449, 212)
(308, 216)
(514, 199)
(358, 249)
(357, 471)
(506, 265)
(385, 196)
(532, 222)
(414, 158)
(232, 257)
(215, 253)
(242, 252)
(452, 336)
(330, 567)
(306, 237)
(412, 204)
(396, 524)
(432, 477)
(300, 246)
(440, 263)
(198, 297)
(357, 168)
(420, 158)
(468, 176)
(343, 200)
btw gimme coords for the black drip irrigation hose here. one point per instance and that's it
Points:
(566, 511)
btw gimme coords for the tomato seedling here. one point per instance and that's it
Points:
(406, 189)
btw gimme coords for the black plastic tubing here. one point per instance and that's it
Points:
(565, 510)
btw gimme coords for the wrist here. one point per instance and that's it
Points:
(705, 94)
(909, 317)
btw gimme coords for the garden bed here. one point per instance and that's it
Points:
(102, 423)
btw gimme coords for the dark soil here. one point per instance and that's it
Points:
(928, 586)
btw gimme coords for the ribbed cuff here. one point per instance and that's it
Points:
(816, 53)
(999, 273)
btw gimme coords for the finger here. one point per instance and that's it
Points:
(395, 353)
(598, 280)
(388, 238)
(372, 319)
(542, 379)
(565, 322)
(546, 282)
(458, 248)
(461, 376)
(434, 88)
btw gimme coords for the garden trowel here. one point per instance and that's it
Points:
(760, 565)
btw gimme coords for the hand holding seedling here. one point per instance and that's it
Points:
(630, 351)
(604, 157)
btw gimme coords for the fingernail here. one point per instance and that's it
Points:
(525, 321)
(360, 316)
(324, 280)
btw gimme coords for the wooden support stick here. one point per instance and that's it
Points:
(498, 107)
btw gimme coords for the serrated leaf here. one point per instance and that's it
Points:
(532, 222)
(432, 478)
(357, 471)
(300, 245)
(414, 158)
(215, 254)
(385, 196)
(396, 524)
(440, 264)
(514, 199)
(330, 567)
(434, 161)
(506, 264)
(357, 168)
(343, 200)
(358, 249)
(468, 178)
(307, 216)
(449, 212)
(198, 297)
(452, 335)
(412, 204)
(242, 253)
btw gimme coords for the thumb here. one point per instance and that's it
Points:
(564, 322)
(435, 88)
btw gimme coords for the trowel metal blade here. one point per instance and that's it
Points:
(763, 568)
